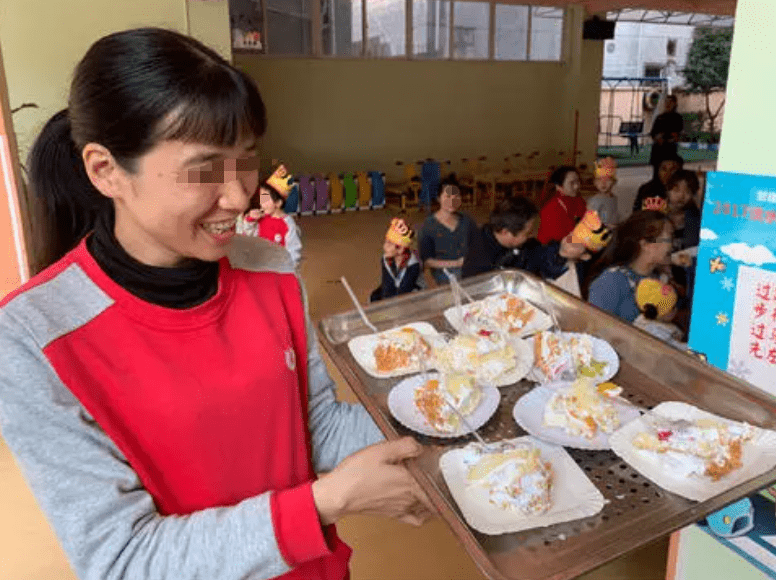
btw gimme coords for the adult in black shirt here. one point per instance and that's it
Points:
(665, 134)
(656, 187)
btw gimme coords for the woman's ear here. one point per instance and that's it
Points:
(104, 171)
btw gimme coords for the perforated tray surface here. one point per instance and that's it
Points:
(637, 511)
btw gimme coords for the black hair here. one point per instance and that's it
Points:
(558, 177)
(650, 311)
(675, 157)
(512, 214)
(688, 177)
(273, 193)
(132, 90)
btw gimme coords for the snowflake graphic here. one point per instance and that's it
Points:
(722, 319)
(727, 283)
(738, 368)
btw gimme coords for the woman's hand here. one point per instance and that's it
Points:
(374, 481)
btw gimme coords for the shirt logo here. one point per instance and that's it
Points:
(290, 359)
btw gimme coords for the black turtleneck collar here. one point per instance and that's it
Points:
(180, 287)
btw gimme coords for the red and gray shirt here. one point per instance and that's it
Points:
(181, 444)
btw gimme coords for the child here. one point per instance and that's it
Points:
(505, 242)
(657, 307)
(400, 266)
(682, 190)
(565, 208)
(272, 223)
(604, 203)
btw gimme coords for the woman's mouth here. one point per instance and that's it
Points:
(220, 230)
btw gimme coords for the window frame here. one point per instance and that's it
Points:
(318, 48)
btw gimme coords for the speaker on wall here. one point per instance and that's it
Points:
(597, 29)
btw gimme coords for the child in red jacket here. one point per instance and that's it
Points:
(270, 222)
(559, 215)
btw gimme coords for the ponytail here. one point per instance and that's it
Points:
(59, 182)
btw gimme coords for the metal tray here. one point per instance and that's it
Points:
(638, 511)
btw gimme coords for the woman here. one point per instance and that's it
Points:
(564, 209)
(641, 245)
(160, 383)
(444, 234)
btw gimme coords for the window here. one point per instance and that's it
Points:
(671, 47)
(471, 25)
(386, 27)
(289, 27)
(653, 71)
(341, 27)
(511, 29)
(431, 29)
(546, 33)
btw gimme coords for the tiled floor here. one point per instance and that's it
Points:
(345, 244)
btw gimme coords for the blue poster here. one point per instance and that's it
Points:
(734, 305)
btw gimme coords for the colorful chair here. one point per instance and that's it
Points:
(336, 193)
(351, 191)
(378, 188)
(321, 193)
(307, 195)
(364, 190)
(291, 206)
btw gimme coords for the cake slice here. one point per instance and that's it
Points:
(458, 390)
(703, 447)
(551, 355)
(400, 350)
(515, 476)
(583, 409)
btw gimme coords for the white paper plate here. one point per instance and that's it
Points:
(523, 365)
(401, 402)
(573, 495)
(529, 414)
(759, 455)
(540, 320)
(363, 347)
(602, 352)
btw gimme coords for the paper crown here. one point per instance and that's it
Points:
(606, 168)
(281, 180)
(591, 232)
(661, 296)
(400, 233)
(655, 203)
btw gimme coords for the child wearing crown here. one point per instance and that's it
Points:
(400, 266)
(604, 203)
(657, 306)
(270, 222)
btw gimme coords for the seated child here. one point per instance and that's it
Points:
(270, 222)
(657, 306)
(655, 189)
(561, 213)
(505, 242)
(604, 203)
(400, 266)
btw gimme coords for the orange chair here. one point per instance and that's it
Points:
(336, 192)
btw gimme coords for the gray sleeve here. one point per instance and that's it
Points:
(293, 240)
(106, 521)
(338, 429)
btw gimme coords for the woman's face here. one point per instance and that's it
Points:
(183, 201)
(571, 184)
(658, 251)
(450, 198)
(679, 196)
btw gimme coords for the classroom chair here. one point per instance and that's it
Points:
(378, 188)
(307, 195)
(364, 190)
(321, 193)
(351, 191)
(336, 193)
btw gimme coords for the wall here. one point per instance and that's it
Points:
(208, 22)
(42, 42)
(338, 114)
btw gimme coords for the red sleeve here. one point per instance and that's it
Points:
(581, 208)
(550, 224)
(298, 529)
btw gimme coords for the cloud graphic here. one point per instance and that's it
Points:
(753, 256)
(707, 234)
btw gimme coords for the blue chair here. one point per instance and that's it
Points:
(378, 188)
(292, 201)
(430, 177)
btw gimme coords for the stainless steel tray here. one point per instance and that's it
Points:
(650, 372)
